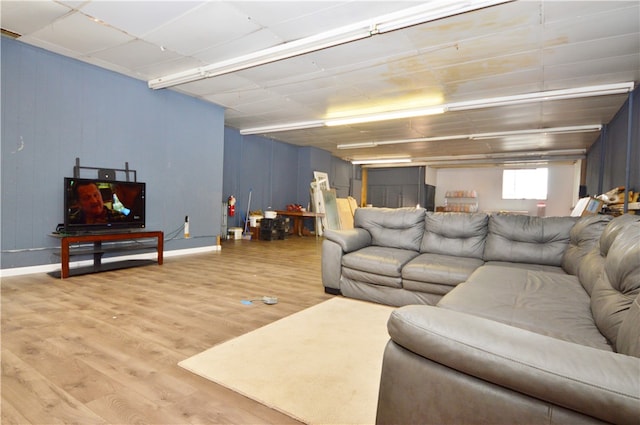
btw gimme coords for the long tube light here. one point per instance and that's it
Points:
(291, 49)
(478, 136)
(430, 11)
(346, 34)
(573, 93)
(384, 116)
(381, 161)
(537, 131)
(301, 125)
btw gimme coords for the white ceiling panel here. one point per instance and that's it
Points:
(25, 17)
(628, 44)
(258, 40)
(169, 65)
(211, 24)
(555, 11)
(138, 17)
(328, 16)
(80, 33)
(135, 54)
(509, 49)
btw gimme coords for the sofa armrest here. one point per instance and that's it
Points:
(349, 240)
(598, 383)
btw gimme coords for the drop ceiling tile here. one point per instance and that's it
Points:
(628, 44)
(591, 69)
(139, 17)
(250, 43)
(135, 55)
(81, 34)
(25, 17)
(365, 53)
(56, 48)
(329, 18)
(483, 47)
(169, 66)
(270, 13)
(494, 66)
(271, 73)
(229, 83)
(589, 27)
(517, 82)
(201, 28)
(481, 23)
(563, 11)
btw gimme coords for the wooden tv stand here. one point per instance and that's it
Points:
(70, 245)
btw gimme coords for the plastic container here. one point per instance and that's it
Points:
(235, 233)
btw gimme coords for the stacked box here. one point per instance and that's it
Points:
(272, 229)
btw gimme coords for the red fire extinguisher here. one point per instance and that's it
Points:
(231, 207)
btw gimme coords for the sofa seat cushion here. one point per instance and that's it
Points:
(430, 288)
(360, 276)
(528, 266)
(443, 269)
(379, 260)
(551, 304)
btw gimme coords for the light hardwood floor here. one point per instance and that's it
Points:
(104, 348)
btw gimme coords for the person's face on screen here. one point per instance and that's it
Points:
(90, 200)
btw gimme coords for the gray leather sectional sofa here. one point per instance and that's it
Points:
(505, 319)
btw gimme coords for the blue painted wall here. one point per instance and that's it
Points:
(607, 158)
(55, 109)
(276, 173)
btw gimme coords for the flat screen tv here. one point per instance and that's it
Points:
(92, 205)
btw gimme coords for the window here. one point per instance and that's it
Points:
(525, 183)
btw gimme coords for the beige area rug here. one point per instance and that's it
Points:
(321, 365)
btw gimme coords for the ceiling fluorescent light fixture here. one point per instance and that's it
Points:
(538, 131)
(346, 34)
(358, 145)
(381, 161)
(401, 141)
(553, 155)
(287, 50)
(478, 136)
(578, 92)
(430, 11)
(384, 116)
(301, 125)
(574, 93)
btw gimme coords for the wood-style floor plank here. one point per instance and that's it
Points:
(104, 348)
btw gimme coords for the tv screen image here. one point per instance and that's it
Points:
(95, 204)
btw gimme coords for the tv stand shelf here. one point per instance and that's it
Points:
(74, 245)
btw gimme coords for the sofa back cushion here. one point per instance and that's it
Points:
(526, 239)
(584, 236)
(612, 230)
(618, 287)
(591, 266)
(392, 227)
(628, 341)
(459, 234)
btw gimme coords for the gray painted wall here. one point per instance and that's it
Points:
(276, 173)
(55, 109)
(607, 158)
